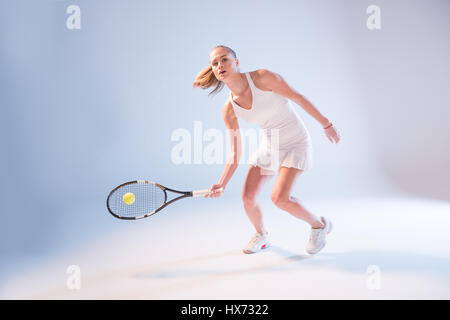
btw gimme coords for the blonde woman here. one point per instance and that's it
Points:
(261, 97)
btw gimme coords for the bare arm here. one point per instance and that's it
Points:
(276, 83)
(234, 136)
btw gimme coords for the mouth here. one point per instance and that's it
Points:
(222, 72)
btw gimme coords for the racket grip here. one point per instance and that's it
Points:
(201, 193)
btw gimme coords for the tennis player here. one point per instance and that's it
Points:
(262, 97)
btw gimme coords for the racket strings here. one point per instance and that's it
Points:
(147, 198)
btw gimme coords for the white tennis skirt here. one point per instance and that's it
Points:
(292, 148)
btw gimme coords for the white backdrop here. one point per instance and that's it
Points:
(86, 109)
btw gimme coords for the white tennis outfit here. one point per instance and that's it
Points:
(286, 141)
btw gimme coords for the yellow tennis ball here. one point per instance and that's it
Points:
(128, 198)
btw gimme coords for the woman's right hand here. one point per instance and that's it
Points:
(215, 191)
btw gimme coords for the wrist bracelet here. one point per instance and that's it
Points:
(329, 126)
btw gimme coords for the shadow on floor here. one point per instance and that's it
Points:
(235, 263)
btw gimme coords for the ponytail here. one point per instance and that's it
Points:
(206, 79)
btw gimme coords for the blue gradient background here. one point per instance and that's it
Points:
(84, 110)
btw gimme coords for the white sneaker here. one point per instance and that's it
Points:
(317, 239)
(258, 242)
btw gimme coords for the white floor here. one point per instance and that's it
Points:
(380, 248)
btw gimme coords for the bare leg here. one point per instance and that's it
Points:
(282, 199)
(252, 187)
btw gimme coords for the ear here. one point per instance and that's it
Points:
(237, 62)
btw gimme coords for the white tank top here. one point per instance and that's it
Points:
(270, 110)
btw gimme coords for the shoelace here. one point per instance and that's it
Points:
(255, 239)
(315, 234)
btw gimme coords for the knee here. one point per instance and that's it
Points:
(248, 199)
(279, 200)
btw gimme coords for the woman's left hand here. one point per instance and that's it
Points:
(332, 134)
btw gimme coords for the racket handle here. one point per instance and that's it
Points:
(201, 193)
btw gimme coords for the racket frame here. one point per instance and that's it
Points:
(184, 194)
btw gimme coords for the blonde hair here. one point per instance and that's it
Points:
(206, 79)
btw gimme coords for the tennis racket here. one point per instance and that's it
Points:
(141, 198)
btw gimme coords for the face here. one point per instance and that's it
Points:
(223, 63)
